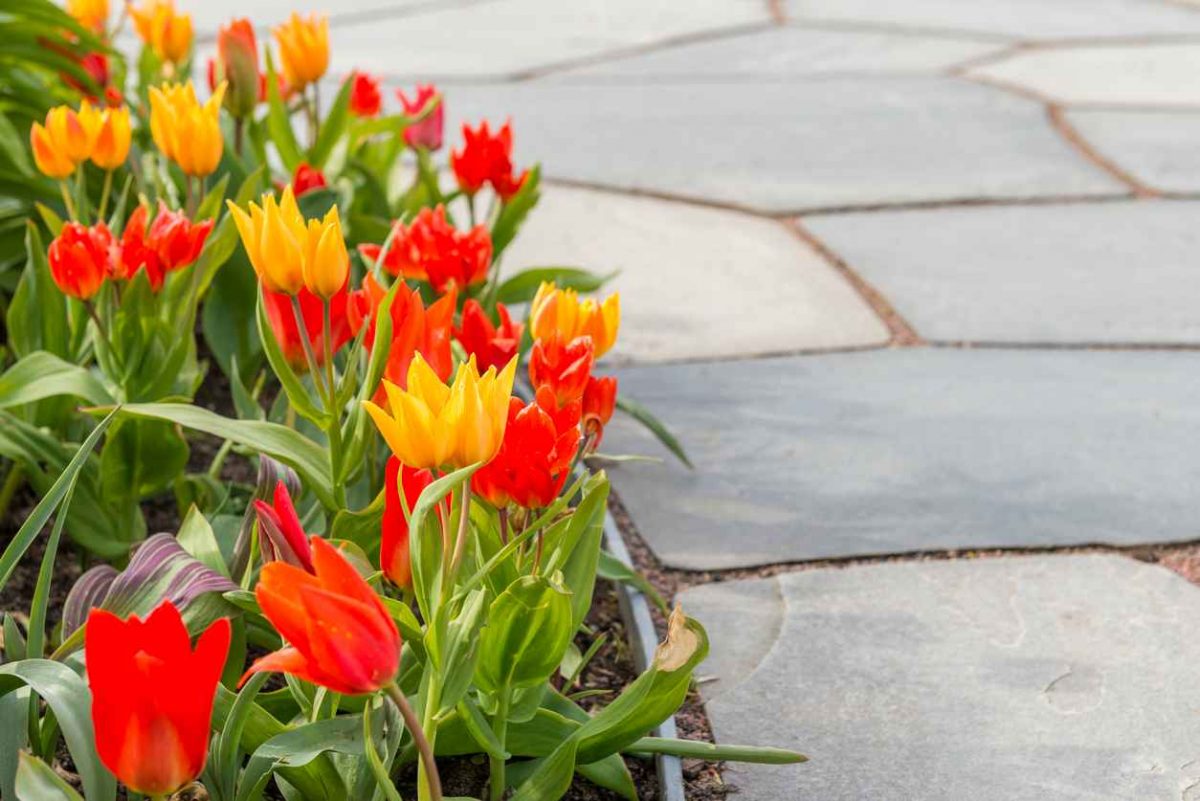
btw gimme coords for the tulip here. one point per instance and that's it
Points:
(599, 401)
(111, 147)
(415, 329)
(428, 132)
(365, 100)
(80, 258)
(164, 30)
(91, 14)
(303, 49)
(288, 254)
(152, 695)
(237, 64)
(431, 425)
(393, 547)
(486, 158)
(64, 141)
(562, 367)
(492, 346)
(431, 249)
(281, 536)
(187, 132)
(281, 317)
(533, 462)
(306, 178)
(339, 633)
(171, 242)
(560, 312)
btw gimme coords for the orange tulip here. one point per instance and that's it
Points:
(65, 140)
(152, 695)
(164, 30)
(599, 402)
(339, 633)
(303, 49)
(564, 367)
(560, 311)
(91, 14)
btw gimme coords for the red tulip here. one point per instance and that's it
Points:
(533, 462)
(393, 546)
(431, 249)
(282, 319)
(80, 259)
(237, 64)
(493, 346)
(599, 401)
(339, 633)
(171, 242)
(365, 100)
(280, 534)
(563, 367)
(428, 132)
(152, 695)
(486, 158)
(306, 178)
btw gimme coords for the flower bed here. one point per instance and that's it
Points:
(384, 538)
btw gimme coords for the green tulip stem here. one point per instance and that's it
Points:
(500, 729)
(70, 204)
(429, 783)
(309, 355)
(335, 416)
(104, 195)
(464, 518)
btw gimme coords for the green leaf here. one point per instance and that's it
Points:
(197, 538)
(225, 759)
(644, 416)
(283, 444)
(37, 316)
(43, 375)
(514, 211)
(139, 459)
(316, 203)
(426, 563)
(211, 205)
(715, 752)
(36, 781)
(332, 127)
(298, 747)
(297, 394)
(613, 569)
(528, 629)
(279, 124)
(68, 697)
(521, 288)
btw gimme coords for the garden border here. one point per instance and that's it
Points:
(635, 611)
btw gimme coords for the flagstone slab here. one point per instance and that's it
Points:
(502, 38)
(1122, 272)
(696, 282)
(1023, 19)
(208, 16)
(791, 52)
(1136, 75)
(908, 450)
(1012, 679)
(787, 146)
(1156, 147)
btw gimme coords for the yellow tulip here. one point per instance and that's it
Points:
(326, 262)
(91, 14)
(431, 425)
(64, 141)
(187, 132)
(303, 49)
(560, 311)
(164, 30)
(112, 138)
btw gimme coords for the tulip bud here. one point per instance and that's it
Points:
(307, 178)
(327, 264)
(365, 100)
(112, 141)
(303, 49)
(237, 64)
(281, 536)
(428, 132)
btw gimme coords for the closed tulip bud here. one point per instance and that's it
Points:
(599, 402)
(306, 178)
(560, 311)
(394, 558)
(326, 264)
(80, 258)
(428, 132)
(365, 100)
(274, 235)
(152, 696)
(112, 141)
(339, 634)
(237, 65)
(91, 14)
(186, 131)
(281, 536)
(303, 49)
(431, 425)
(164, 30)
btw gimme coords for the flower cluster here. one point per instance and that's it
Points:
(431, 249)
(69, 138)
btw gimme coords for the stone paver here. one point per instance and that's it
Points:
(738, 285)
(790, 146)
(1024, 19)
(209, 15)
(894, 451)
(500, 38)
(1121, 272)
(791, 52)
(1021, 679)
(1156, 147)
(1137, 75)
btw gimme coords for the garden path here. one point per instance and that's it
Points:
(911, 280)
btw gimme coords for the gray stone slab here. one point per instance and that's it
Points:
(904, 450)
(500, 38)
(790, 146)
(1064, 678)
(1156, 147)
(739, 285)
(790, 52)
(1131, 74)
(1122, 272)
(209, 15)
(1024, 19)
